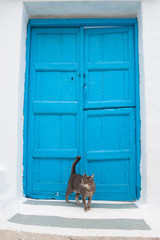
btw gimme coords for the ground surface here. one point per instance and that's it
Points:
(26, 219)
(13, 235)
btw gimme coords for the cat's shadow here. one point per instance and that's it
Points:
(105, 205)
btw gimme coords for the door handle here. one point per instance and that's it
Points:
(85, 86)
(85, 90)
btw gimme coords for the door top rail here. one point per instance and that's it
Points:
(82, 22)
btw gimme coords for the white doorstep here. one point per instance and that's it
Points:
(105, 219)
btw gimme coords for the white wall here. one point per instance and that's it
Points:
(13, 24)
(12, 59)
(151, 51)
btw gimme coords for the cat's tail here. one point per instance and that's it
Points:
(74, 164)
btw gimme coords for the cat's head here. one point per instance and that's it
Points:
(87, 180)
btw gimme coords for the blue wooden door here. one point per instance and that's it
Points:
(109, 110)
(53, 126)
(82, 102)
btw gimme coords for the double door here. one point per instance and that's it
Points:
(81, 102)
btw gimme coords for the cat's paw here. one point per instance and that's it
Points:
(78, 202)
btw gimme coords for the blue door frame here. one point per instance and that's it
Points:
(81, 23)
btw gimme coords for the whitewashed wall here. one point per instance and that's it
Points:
(12, 63)
(13, 24)
(151, 90)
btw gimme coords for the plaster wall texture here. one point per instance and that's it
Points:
(10, 42)
(151, 85)
(13, 24)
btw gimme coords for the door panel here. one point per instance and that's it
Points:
(52, 85)
(110, 152)
(109, 68)
(54, 110)
(56, 45)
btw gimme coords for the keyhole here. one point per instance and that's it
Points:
(72, 78)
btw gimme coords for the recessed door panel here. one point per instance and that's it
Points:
(109, 68)
(110, 152)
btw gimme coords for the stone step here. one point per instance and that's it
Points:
(53, 219)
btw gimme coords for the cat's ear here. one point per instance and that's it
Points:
(92, 176)
(84, 174)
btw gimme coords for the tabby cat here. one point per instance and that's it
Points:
(81, 185)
